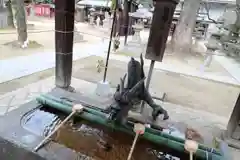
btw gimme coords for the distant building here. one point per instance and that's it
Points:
(209, 11)
(216, 8)
(95, 3)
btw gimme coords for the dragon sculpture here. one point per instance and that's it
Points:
(134, 92)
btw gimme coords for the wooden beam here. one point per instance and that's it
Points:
(64, 27)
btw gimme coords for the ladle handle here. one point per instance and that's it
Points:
(133, 146)
(54, 131)
(191, 155)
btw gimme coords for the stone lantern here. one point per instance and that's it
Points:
(139, 15)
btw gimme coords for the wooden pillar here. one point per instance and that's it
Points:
(161, 22)
(64, 27)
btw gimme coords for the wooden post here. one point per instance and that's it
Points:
(64, 27)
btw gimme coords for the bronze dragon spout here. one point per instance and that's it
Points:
(126, 96)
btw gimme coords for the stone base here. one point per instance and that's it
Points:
(16, 151)
(90, 99)
(103, 89)
(230, 141)
(132, 49)
(78, 38)
(18, 143)
(68, 89)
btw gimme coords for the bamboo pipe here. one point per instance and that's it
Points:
(150, 134)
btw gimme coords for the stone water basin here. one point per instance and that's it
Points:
(94, 141)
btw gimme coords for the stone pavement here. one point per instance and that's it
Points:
(21, 68)
(26, 65)
(14, 99)
(227, 63)
(187, 71)
(230, 64)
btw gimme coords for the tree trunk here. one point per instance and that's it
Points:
(122, 27)
(125, 19)
(182, 37)
(18, 9)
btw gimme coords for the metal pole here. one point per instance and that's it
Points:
(126, 36)
(110, 42)
(148, 81)
(150, 74)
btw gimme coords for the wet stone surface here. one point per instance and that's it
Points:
(41, 122)
(10, 151)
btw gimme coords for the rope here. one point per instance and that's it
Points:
(64, 53)
(64, 31)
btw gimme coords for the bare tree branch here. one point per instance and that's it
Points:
(207, 8)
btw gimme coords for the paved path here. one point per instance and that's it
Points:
(186, 72)
(232, 76)
(22, 66)
(231, 65)
(26, 65)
